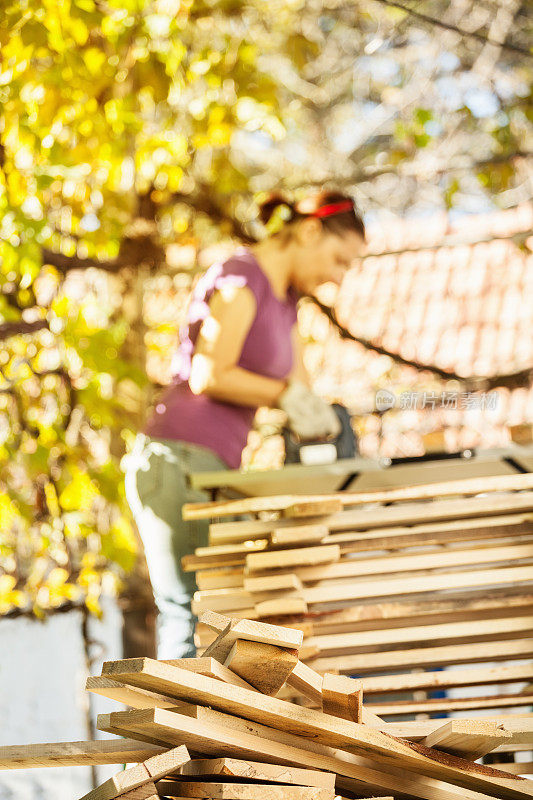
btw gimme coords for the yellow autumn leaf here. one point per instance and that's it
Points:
(57, 577)
(220, 135)
(79, 30)
(79, 494)
(8, 515)
(9, 597)
(7, 583)
(51, 500)
(94, 60)
(93, 606)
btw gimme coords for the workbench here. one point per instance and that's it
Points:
(362, 474)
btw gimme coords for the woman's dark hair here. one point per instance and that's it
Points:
(276, 208)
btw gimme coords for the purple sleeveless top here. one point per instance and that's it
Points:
(198, 419)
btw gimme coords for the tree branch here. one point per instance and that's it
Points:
(478, 383)
(203, 202)
(8, 329)
(66, 263)
(134, 250)
(449, 27)
(409, 170)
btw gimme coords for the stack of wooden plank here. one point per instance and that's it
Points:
(392, 586)
(211, 727)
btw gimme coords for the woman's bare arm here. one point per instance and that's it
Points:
(218, 348)
(299, 371)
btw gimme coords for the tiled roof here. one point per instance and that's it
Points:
(456, 296)
(465, 307)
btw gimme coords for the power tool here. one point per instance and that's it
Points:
(322, 451)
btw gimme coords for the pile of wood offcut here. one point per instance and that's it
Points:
(418, 590)
(211, 727)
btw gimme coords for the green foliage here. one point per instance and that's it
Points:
(102, 105)
(414, 134)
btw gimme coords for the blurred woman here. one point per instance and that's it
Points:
(238, 350)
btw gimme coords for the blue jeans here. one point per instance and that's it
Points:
(157, 486)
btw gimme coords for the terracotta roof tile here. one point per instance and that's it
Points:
(467, 308)
(409, 301)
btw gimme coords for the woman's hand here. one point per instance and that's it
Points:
(309, 416)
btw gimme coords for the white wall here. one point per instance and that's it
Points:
(42, 696)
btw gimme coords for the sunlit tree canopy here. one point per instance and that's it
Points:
(135, 134)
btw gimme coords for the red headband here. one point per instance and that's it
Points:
(333, 208)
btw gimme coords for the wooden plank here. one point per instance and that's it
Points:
(146, 792)
(510, 601)
(128, 695)
(325, 729)
(167, 763)
(229, 599)
(257, 562)
(520, 726)
(505, 650)
(220, 647)
(65, 754)
(404, 612)
(357, 539)
(299, 534)
(234, 578)
(451, 678)
(520, 768)
(137, 698)
(254, 505)
(210, 716)
(369, 718)
(203, 666)
(264, 666)
(344, 643)
(216, 622)
(216, 733)
(269, 583)
(136, 776)
(205, 636)
(236, 602)
(249, 630)
(210, 667)
(404, 514)
(507, 528)
(417, 585)
(281, 605)
(410, 562)
(521, 729)
(257, 771)
(468, 738)
(214, 556)
(234, 548)
(307, 681)
(342, 697)
(314, 507)
(242, 791)
(452, 704)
